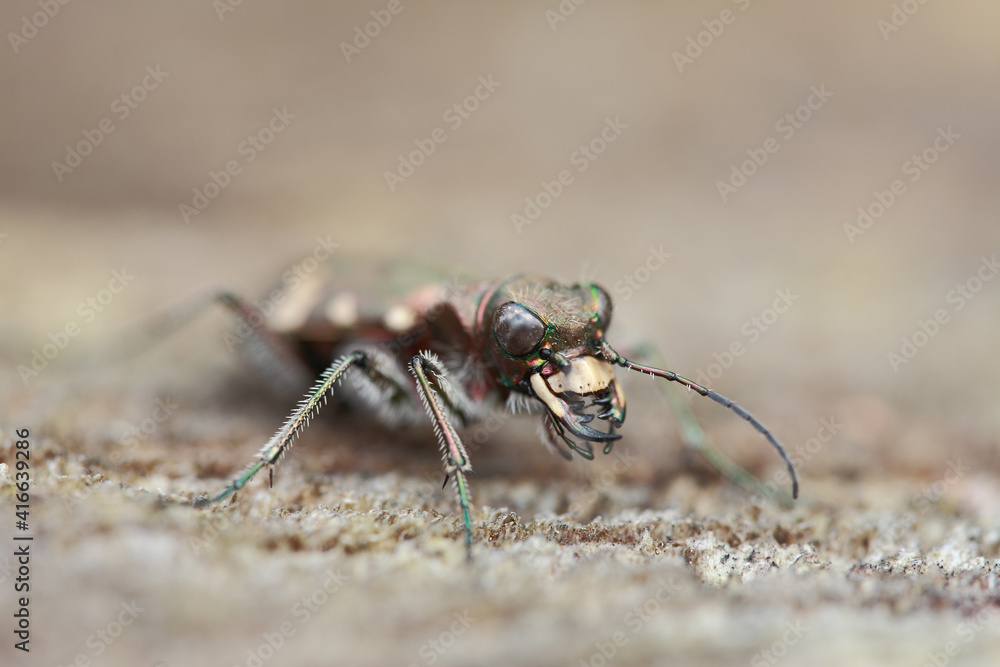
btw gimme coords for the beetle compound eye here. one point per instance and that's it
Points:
(604, 305)
(518, 330)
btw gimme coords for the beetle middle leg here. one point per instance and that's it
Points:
(445, 401)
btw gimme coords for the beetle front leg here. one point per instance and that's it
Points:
(430, 374)
(552, 429)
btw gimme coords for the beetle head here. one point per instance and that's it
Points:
(544, 340)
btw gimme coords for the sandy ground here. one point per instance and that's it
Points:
(878, 373)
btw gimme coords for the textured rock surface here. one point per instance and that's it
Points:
(356, 555)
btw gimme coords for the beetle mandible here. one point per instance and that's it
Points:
(452, 351)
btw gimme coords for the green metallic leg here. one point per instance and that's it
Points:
(293, 426)
(432, 385)
(444, 402)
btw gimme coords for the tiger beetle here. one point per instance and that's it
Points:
(454, 351)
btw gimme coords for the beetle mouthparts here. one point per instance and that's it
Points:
(588, 382)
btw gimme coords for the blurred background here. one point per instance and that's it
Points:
(184, 87)
(822, 175)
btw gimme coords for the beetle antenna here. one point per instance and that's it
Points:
(615, 358)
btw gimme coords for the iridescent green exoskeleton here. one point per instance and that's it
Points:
(456, 350)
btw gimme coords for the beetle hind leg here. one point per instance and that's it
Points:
(268, 353)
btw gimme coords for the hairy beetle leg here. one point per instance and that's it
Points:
(432, 385)
(282, 441)
(439, 395)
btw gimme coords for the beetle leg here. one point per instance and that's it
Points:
(293, 426)
(432, 384)
(553, 428)
(548, 436)
(269, 353)
(384, 388)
